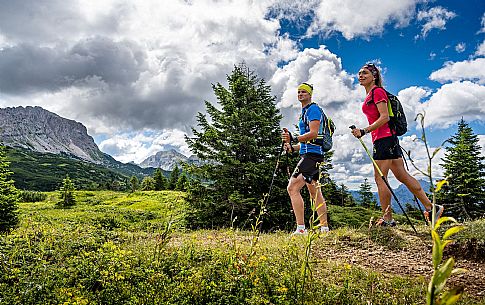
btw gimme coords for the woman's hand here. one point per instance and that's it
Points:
(357, 132)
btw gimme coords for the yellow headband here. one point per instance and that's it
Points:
(306, 88)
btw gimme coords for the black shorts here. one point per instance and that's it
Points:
(309, 167)
(387, 148)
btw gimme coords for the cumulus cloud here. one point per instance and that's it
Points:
(434, 18)
(453, 101)
(136, 147)
(27, 68)
(352, 19)
(480, 49)
(411, 99)
(465, 70)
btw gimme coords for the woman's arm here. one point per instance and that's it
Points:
(383, 117)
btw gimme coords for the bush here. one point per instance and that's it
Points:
(32, 196)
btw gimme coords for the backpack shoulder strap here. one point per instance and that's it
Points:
(303, 116)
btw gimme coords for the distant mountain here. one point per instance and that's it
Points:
(167, 160)
(43, 131)
(46, 147)
(405, 196)
(402, 193)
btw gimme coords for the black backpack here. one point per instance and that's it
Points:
(397, 118)
(324, 138)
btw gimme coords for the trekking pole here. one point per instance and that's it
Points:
(385, 180)
(275, 170)
(415, 198)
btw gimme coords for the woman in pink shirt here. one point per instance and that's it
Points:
(387, 152)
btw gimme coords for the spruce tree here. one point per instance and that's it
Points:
(367, 199)
(464, 197)
(134, 183)
(161, 182)
(174, 177)
(66, 193)
(238, 148)
(8, 196)
(181, 182)
(148, 184)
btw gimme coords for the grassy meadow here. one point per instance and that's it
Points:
(121, 248)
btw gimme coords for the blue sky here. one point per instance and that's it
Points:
(136, 73)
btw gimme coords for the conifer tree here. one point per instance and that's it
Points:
(464, 197)
(238, 147)
(181, 182)
(174, 177)
(148, 184)
(8, 196)
(134, 183)
(66, 193)
(161, 182)
(367, 199)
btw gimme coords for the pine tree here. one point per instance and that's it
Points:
(346, 198)
(8, 196)
(66, 193)
(464, 197)
(134, 183)
(161, 182)
(181, 182)
(174, 177)
(238, 147)
(367, 199)
(148, 184)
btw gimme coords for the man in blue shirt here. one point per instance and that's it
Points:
(307, 170)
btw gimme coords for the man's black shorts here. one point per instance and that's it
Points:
(309, 167)
(387, 148)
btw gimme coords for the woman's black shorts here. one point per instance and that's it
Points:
(387, 148)
(309, 167)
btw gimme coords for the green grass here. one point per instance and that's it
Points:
(114, 248)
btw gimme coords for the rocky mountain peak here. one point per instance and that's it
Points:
(165, 160)
(40, 130)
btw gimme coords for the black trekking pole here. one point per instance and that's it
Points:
(275, 170)
(385, 181)
(415, 198)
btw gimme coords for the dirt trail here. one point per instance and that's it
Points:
(415, 261)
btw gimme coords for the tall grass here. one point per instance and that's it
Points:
(118, 248)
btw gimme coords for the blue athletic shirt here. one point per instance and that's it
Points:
(312, 113)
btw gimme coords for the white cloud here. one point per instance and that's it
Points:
(461, 47)
(453, 101)
(352, 18)
(482, 30)
(480, 49)
(411, 99)
(465, 70)
(434, 18)
(129, 146)
(481, 142)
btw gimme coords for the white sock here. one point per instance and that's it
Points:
(324, 229)
(300, 227)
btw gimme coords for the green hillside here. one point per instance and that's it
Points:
(45, 171)
(120, 248)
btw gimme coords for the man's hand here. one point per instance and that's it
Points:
(285, 136)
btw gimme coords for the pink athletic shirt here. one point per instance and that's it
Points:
(372, 114)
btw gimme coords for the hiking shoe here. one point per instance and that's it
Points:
(381, 222)
(439, 211)
(300, 232)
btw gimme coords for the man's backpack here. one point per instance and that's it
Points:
(325, 131)
(397, 118)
